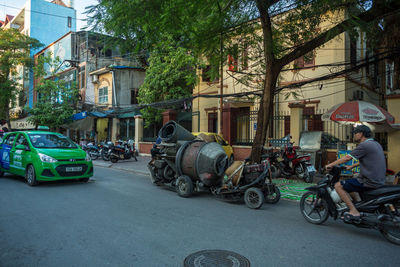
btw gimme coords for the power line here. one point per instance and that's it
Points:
(39, 12)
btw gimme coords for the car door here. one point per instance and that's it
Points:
(6, 153)
(21, 157)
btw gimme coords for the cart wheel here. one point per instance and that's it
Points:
(184, 186)
(254, 198)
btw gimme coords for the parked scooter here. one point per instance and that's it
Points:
(93, 151)
(290, 163)
(106, 151)
(379, 208)
(125, 150)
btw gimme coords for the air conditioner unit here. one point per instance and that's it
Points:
(95, 78)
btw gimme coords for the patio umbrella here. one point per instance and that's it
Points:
(358, 112)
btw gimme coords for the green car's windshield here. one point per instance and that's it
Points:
(51, 141)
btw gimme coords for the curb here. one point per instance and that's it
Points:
(111, 165)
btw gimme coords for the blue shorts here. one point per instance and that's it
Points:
(353, 185)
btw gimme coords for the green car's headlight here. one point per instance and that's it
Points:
(46, 158)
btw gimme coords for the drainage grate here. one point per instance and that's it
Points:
(211, 258)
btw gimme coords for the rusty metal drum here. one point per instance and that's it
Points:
(202, 161)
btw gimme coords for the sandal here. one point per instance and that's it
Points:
(349, 218)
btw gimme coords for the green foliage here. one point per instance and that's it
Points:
(56, 98)
(14, 51)
(170, 75)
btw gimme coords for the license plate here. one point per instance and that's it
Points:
(73, 169)
(311, 169)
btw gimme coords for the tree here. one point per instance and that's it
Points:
(171, 74)
(56, 97)
(284, 38)
(14, 51)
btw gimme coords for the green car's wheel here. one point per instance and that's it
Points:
(30, 175)
(1, 173)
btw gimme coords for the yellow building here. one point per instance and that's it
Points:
(116, 87)
(239, 115)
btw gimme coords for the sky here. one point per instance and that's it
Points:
(12, 7)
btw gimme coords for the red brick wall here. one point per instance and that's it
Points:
(144, 148)
(241, 152)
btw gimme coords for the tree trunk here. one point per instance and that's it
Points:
(269, 84)
(264, 113)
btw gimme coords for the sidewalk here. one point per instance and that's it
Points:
(290, 188)
(139, 167)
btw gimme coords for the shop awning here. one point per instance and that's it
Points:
(129, 114)
(79, 116)
(85, 124)
(99, 114)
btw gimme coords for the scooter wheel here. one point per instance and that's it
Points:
(308, 176)
(114, 159)
(314, 209)
(254, 198)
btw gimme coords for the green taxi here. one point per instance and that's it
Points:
(43, 156)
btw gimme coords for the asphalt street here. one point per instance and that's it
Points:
(119, 218)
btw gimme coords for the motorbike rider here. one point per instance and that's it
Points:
(372, 163)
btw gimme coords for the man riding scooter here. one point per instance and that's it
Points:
(372, 163)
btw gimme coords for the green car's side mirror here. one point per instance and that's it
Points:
(20, 147)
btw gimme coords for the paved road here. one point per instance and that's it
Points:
(121, 219)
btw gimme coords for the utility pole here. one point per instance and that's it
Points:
(221, 90)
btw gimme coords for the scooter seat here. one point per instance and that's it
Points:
(383, 190)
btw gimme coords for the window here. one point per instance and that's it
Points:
(389, 76)
(51, 141)
(69, 22)
(245, 59)
(22, 141)
(308, 60)
(212, 122)
(206, 75)
(103, 95)
(9, 140)
(134, 95)
(82, 77)
(353, 52)
(233, 58)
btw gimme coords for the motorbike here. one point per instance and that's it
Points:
(125, 150)
(93, 151)
(379, 208)
(290, 163)
(106, 151)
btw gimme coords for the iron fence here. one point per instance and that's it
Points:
(246, 126)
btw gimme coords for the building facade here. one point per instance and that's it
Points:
(43, 21)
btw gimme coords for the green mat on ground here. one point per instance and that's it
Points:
(291, 189)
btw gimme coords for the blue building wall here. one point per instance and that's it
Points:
(46, 22)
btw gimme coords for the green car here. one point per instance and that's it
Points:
(43, 156)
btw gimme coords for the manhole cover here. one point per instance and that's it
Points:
(212, 258)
